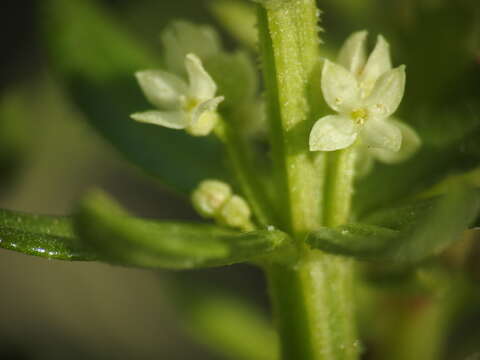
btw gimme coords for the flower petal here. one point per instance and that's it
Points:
(162, 89)
(353, 53)
(202, 86)
(182, 37)
(332, 132)
(410, 144)
(378, 62)
(377, 133)
(169, 119)
(387, 93)
(340, 87)
(209, 105)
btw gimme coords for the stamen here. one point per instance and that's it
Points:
(359, 116)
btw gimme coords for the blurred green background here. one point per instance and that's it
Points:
(49, 156)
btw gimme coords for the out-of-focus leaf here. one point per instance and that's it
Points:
(50, 237)
(239, 19)
(127, 240)
(96, 58)
(405, 235)
(230, 327)
(428, 167)
(236, 77)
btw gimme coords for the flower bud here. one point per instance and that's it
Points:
(236, 213)
(210, 196)
(204, 124)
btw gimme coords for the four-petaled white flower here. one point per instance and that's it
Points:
(365, 93)
(189, 106)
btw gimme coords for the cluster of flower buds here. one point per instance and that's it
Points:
(214, 199)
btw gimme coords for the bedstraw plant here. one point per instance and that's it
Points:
(315, 165)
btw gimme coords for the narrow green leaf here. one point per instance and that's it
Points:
(362, 241)
(38, 235)
(127, 240)
(97, 58)
(405, 235)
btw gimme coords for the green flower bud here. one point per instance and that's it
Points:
(210, 196)
(236, 213)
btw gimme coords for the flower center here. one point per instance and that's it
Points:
(359, 116)
(189, 103)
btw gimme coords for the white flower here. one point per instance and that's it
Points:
(189, 106)
(365, 93)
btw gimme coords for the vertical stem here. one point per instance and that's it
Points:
(312, 306)
(289, 46)
(312, 297)
(242, 164)
(339, 187)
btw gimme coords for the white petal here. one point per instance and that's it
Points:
(387, 93)
(332, 132)
(382, 134)
(169, 119)
(181, 38)
(202, 86)
(378, 62)
(410, 144)
(353, 53)
(162, 89)
(209, 105)
(339, 87)
(204, 117)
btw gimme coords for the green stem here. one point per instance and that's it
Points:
(339, 186)
(245, 174)
(312, 297)
(312, 306)
(289, 47)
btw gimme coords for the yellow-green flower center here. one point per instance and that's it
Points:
(189, 104)
(359, 116)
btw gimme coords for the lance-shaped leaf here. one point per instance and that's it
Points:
(405, 235)
(97, 60)
(362, 241)
(50, 237)
(132, 241)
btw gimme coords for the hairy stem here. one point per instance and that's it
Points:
(289, 46)
(312, 306)
(312, 296)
